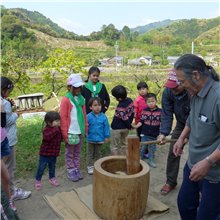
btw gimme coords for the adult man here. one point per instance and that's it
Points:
(199, 195)
(175, 101)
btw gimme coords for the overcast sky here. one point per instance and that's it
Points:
(84, 17)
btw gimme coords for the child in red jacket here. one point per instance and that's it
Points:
(49, 149)
(73, 126)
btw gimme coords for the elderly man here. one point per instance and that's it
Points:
(175, 101)
(199, 195)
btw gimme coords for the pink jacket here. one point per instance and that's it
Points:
(65, 109)
(139, 105)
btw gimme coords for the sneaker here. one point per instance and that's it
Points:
(54, 181)
(72, 175)
(90, 169)
(38, 185)
(152, 163)
(79, 174)
(12, 205)
(20, 194)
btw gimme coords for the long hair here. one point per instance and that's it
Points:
(190, 62)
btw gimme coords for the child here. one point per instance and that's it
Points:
(140, 103)
(49, 149)
(98, 132)
(11, 130)
(73, 126)
(150, 125)
(93, 88)
(123, 117)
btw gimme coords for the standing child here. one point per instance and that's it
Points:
(150, 127)
(73, 126)
(49, 149)
(98, 132)
(11, 130)
(140, 104)
(123, 117)
(93, 88)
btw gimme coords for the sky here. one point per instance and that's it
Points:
(86, 16)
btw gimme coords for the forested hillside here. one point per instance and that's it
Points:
(29, 40)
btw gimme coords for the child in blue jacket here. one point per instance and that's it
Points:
(98, 132)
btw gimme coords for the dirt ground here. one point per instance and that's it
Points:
(35, 207)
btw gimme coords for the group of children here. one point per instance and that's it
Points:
(82, 113)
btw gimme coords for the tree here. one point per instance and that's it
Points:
(57, 67)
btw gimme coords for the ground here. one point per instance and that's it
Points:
(35, 207)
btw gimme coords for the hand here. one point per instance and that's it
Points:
(199, 170)
(106, 140)
(66, 141)
(178, 147)
(162, 139)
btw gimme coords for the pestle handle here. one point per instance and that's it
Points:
(157, 142)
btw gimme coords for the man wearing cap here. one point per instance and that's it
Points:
(175, 101)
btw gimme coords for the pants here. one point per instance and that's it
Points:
(118, 140)
(6, 212)
(198, 200)
(10, 162)
(93, 153)
(173, 162)
(43, 161)
(72, 155)
(151, 148)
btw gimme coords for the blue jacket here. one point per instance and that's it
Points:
(98, 127)
(178, 105)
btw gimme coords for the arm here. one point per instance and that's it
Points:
(138, 125)
(200, 169)
(178, 146)
(167, 113)
(106, 127)
(85, 118)
(107, 98)
(11, 117)
(64, 116)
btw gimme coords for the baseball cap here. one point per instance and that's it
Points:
(75, 80)
(172, 81)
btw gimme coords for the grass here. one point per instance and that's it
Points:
(27, 148)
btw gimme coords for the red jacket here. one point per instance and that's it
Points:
(65, 109)
(52, 138)
(139, 106)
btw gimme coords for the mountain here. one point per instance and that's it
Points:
(36, 20)
(151, 26)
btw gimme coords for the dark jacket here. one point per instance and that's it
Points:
(103, 95)
(178, 105)
(150, 122)
(124, 114)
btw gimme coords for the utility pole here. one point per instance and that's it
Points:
(116, 56)
(192, 47)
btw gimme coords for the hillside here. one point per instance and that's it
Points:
(190, 29)
(36, 20)
(145, 28)
(54, 42)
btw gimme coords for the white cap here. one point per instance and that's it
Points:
(75, 80)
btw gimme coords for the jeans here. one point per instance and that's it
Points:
(151, 148)
(43, 161)
(198, 200)
(173, 162)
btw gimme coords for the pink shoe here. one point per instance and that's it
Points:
(38, 185)
(54, 181)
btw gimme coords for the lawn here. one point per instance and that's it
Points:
(29, 141)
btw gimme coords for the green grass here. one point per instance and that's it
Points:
(27, 148)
